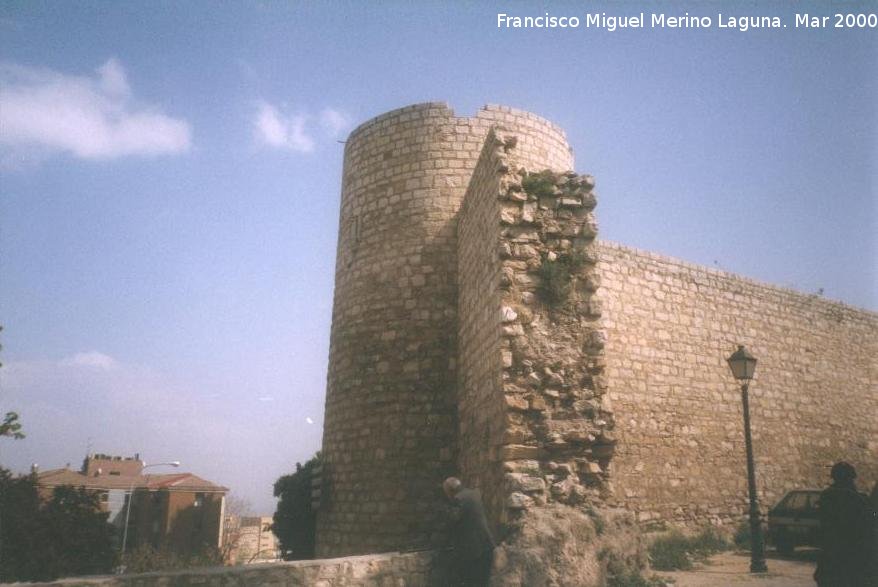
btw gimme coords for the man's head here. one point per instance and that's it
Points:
(451, 486)
(843, 472)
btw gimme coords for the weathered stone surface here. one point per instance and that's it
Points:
(413, 569)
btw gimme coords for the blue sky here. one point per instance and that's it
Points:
(170, 177)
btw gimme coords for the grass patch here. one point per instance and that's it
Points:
(636, 580)
(677, 552)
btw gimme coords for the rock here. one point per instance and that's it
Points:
(512, 452)
(524, 483)
(507, 314)
(517, 403)
(518, 501)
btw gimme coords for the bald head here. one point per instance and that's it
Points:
(451, 486)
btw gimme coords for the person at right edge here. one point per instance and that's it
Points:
(846, 532)
(471, 540)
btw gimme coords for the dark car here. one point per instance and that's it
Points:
(794, 520)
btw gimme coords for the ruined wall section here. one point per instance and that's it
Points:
(558, 440)
(670, 326)
(390, 422)
(534, 424)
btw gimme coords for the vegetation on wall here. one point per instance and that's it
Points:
(556, 277)
(539, 185)
(295, 522)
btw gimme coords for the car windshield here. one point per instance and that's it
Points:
(800, 500)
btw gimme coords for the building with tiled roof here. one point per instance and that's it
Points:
(178, 511)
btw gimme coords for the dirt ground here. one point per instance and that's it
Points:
(732, 569)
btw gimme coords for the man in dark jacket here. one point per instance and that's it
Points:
(845, 532)
(471, 540)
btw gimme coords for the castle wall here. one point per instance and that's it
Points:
(670, 327)
(390, 424)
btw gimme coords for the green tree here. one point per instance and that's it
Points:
(20, 533)
(67, 535)
(295, 521)
(10, 426)
(79, 540)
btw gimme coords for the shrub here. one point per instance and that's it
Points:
(742, 535)
(677, 552)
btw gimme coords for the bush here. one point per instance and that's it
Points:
(676, 552)
(742, 535)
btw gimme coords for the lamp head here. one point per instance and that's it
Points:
(742, 364)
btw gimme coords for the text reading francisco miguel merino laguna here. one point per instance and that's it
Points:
(661, 20)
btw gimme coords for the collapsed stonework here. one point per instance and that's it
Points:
(481, 329)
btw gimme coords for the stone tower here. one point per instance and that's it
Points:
(391, 409)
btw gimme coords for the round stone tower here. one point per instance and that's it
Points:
(390, 424)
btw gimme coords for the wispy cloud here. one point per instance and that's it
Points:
(91, 117)
(93, 359)
(296, 132)
(276, 129)
(334, 122)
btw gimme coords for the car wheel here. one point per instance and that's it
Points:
(784, 545)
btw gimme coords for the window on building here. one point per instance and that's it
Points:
(105, 496)
(199, 500)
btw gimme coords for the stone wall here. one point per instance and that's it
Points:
(412, 569)
(390, 426)
(530, 394)
(481, 409)
(670, 327)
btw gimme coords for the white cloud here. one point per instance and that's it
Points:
(295, 132)
(334, 122)
(94, 117)
(282, 131)
(93, 359)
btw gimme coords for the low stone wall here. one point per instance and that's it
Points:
(392, 569)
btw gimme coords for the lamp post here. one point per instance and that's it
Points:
(131, 498)
(743, 366)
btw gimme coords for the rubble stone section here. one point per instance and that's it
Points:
(390, 427)
(535, 423)
(814, 401)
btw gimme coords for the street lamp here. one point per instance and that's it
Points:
(743, 366)
(131, 497)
